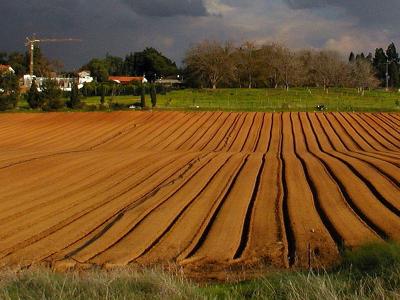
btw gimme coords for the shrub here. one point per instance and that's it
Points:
(374, 258)
(91, 107)
(34, 99)
(8, 101)
(9, 94)
(51, 95)
(74, 100)
(119, 106)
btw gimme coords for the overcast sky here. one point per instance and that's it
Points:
(122, 26)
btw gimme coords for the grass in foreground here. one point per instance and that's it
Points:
(371, 272)
(267, 100)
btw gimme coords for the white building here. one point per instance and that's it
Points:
(65, 83)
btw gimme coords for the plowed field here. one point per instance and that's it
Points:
(196, 189)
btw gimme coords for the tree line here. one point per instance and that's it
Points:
(215, 64)
(209, 64)
(149, 63)
(222, 64)
(43, 66)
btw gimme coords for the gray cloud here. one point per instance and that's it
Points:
(122, 26)
(301, 4)
(371, 13)
(168, 8)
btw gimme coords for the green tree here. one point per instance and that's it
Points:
(98, 68)
(51, 95)
(393, 60)
(18, 62)
(34, 97)
(392, 54)
(152, 64)
(9, 90)
(352, 58)
(129, 65)
(394, 79)
(42, 66)
(360, 56)
(153, 95)
(74, 98)
(115, 65)
(379, 64)
(102, 95)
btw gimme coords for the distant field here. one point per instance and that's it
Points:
(299, 99)
(205, 190)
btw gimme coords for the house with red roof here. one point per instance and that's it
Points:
(6, 68)
(127, 79)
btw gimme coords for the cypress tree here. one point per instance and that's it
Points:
(34, 100)
(102, 95)
(379, 63)
(393, 60)
(74, 100)
(153, 95)
(352, 57)
(143, 96)
(394, 80)
(392, 54)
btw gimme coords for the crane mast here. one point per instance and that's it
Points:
(31, 41)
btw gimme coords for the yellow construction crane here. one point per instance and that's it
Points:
(31, 41)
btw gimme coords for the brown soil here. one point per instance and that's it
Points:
(211, 192)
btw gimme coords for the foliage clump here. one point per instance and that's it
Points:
(9, 91)
(34, 98)
(74, 101)
(51, 95)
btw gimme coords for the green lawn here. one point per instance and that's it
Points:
(268, 100)
(296, 99)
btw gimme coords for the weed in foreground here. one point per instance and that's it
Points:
(370, 272)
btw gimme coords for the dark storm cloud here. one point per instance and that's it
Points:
(167, 8)
(371, 13)
(121, 26)
(300, 4)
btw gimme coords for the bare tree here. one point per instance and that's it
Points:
(280, 66)
(269, 72)
(308, 73)
(211, 61)
(289, 68)
(247, 60)
(328, 69)
(362, 75)
(274, 65)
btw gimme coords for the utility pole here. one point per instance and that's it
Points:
(388, 62)
(387, 74)
(31, 41)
